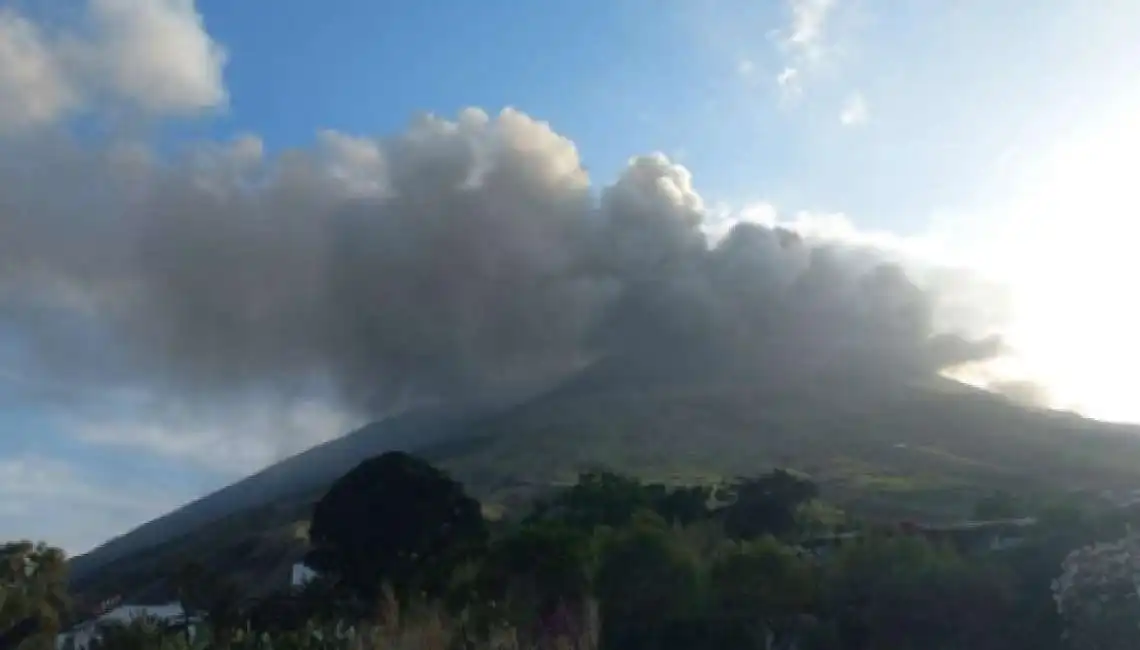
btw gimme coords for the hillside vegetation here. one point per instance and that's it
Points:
(914, 452)
(612, 562)
(925, 453)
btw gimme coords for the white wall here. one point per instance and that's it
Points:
(82, 634)
(302, 575)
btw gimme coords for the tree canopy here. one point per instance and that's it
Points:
(767, 505)
(615, 563)
(397, 520)
(33, 593)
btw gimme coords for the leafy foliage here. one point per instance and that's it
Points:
(1098, 594)
(766, 581)
(394, 519)
(542, 564)
(903, 593)
(612, 562)
(767, 505)
(603, 498)
(645, 578)
(33, 594)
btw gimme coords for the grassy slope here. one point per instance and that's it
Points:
(922, 450)
(926, 453)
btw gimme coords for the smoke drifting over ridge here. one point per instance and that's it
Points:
(458, 260)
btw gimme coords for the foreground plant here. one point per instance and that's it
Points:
(1098, 595)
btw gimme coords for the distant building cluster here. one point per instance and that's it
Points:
(81, 636)
(1122, 498)
(112, 611)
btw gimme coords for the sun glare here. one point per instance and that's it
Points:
(1072, 263)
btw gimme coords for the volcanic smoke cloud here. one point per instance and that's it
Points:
(460, 260)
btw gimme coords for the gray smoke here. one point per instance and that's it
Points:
(460, 260)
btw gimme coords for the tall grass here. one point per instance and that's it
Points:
(393, 627)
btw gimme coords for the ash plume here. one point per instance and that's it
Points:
(459, 260)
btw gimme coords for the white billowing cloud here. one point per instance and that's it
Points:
(836, 227)
(803, 42)
(157, 54)
(229, 307)
(50, 499)
(34, 87)
(854, 111)
(152, 56)
(917, 253)
(356, 162)
(969, 301)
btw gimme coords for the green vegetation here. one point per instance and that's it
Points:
(890, 452)
(924, 452)
(33, 594)
(408, 561)
(354, 536)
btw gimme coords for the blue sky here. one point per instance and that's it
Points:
(912, 119)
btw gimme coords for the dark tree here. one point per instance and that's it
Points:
(605, 498)
(767, 505)
(599, 498)
(907, 594)
(766, 585)
(646, 579)
(205, 592)
(544, 563)
(684, 505)
(26, 628)
(398, 520)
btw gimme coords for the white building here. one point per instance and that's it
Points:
(81, 636)
(302, 575)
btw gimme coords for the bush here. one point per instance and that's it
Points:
(398, 520)
(765, 583)
(646, 578)
(906, 593)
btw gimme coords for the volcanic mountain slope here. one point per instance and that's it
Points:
(294, 477)
(925, 449)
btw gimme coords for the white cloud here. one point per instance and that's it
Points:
(149, 55)
(969, 301)
(803, 43)
(745, 67)
(33, 84)
(234, 443)
(789, 83)
(157, 54)
(51, 500)
(855, 111)
(809, 20)
(929, 249)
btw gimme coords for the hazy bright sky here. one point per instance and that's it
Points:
(998, 134)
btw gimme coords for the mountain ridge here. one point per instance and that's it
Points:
(303, 472)
(924, 448)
